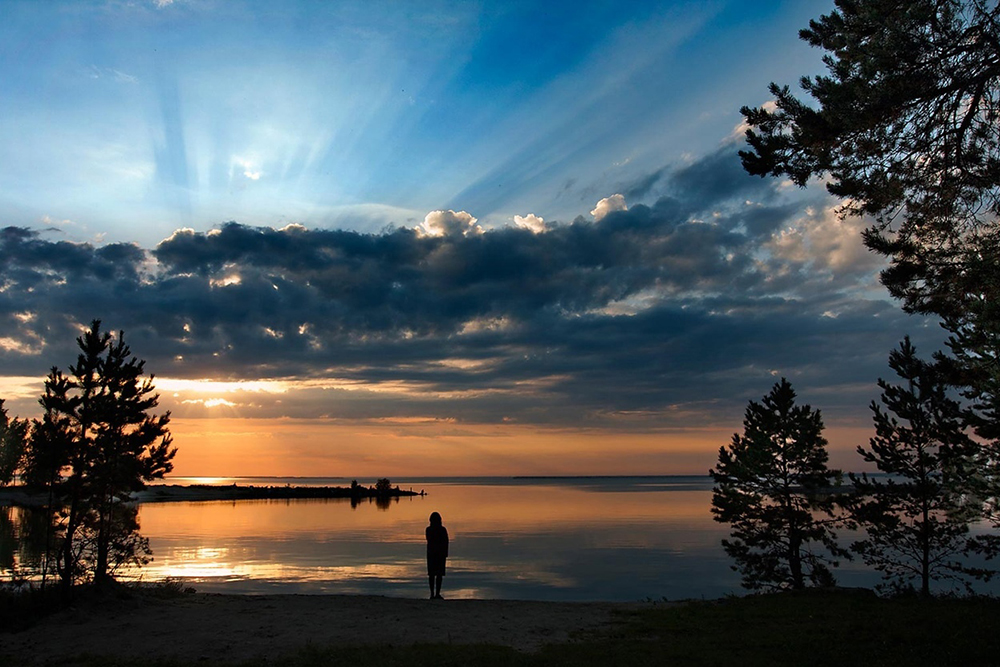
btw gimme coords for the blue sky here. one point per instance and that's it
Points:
(127, 120)
(462, 237)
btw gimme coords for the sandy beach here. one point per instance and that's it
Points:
(213, 628)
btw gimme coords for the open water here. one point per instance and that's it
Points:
(582, 538)
(514, 538)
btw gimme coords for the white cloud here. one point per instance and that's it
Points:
(609, 205)
(160, 4)
(117, 75)
(182, 232)
(449, 223)
(28, 344)
(221, 387)
(740, 130)
(210, 402)
(531, 222)
(123, 77)
(250, 168)
(49, 220)
(823, 240)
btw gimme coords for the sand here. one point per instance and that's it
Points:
(213, 628)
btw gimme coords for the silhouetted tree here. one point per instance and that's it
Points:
(97, 444)
(916, 519)
(771, 486)
(13, 434)
(974, 367)
(383, 487)
(905, 129)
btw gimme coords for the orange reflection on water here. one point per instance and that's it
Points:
(466, 508)
(328, 542)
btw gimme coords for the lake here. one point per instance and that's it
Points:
(585, 538)
(513, 538)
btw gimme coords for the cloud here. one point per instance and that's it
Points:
(639, 188)
(116, 75)
(608, 205)
(53, 222)
(740, 130)
(123, 77)
(449, 223)
(684, 307)
(249, 168)
(531, 222)
(825, 242)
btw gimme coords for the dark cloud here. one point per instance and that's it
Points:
(716, 178)
(640, 188)
(716, 185)
(656, 316)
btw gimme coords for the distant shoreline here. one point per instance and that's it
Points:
(19, 497)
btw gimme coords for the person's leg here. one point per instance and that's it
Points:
(437, 590)
(430, 580)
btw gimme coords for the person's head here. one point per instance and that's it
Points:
(435, 519)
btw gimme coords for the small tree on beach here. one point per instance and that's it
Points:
(917, 518)
(903, 129)
(769, 486)
(13, 434)
(97, 444)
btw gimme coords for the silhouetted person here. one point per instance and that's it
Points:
(437, 554)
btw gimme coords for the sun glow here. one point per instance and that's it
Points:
(205, 386)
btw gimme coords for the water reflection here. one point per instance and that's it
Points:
(22, 541)
(533, 539)
(528, 538)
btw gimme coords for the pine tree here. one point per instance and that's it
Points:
(46, 459)
(772, 485)
(973, 365)
(904, 128)
(915, 519)
(13, 434)
(97, 444)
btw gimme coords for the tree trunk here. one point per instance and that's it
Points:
(925, 556)
(65, 560)
(101, 566)
(795, 562)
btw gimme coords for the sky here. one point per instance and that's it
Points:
(429, 238)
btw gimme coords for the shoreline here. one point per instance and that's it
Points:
(159, 493)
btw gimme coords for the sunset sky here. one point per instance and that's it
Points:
(428, 238)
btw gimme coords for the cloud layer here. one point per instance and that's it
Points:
(645, 317)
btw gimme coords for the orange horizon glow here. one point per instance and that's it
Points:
(230, 447)
(217, 434)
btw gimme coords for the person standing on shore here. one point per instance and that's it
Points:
(437, 554)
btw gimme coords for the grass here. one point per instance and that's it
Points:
(815, 628)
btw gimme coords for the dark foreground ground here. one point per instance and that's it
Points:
(816, 628)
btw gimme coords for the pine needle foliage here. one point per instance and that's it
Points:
(772, 485)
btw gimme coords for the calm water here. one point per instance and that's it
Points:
(541, 539)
